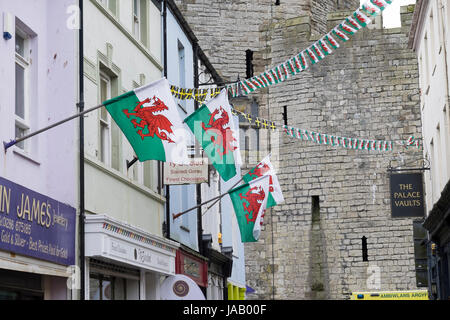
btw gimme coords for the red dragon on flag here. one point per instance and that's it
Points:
(255, 197)
(156, 124)
(224, 135)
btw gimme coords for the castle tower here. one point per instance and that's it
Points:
(334, 234)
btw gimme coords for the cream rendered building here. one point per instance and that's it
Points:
(430, 39)
(126, 254)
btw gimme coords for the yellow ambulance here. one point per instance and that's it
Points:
(391, 295)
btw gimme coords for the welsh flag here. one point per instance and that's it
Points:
(214, 129)
(249, 203)
(382, 4)
(149, 119)
(340, 34)
(361, 18)
(265, 168)
(353, 23)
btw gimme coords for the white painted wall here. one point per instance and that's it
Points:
(109, 40)
(433, 56)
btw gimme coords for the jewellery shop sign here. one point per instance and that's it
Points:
(35, 225)
(407, 195)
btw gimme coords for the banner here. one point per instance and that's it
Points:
(34, 225)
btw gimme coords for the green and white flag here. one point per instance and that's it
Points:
(149, 118)
(249, 203)
(265, 168)
(215, 130)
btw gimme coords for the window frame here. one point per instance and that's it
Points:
(107, 4)
(23, 61)
(104, 147)
(136, 16)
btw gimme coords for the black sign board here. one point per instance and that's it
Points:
(407, 195)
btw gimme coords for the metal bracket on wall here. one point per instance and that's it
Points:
(425, 166)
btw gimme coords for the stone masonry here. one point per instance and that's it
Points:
(311, 246)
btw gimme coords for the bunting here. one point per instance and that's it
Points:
(200, 95)
(316, 52)
(328, 139)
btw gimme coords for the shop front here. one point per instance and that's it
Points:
(124, 262)
(220, 265)
(37, 245)
(190, 263)
(438, 225)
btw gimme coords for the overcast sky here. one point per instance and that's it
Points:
(391, 14)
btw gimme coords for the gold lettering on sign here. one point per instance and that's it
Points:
(407, 197)
(5, 198)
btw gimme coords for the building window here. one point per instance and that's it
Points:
(148, 174)
(105, 121)
(433, 169)
(140, 21)
(22, 70)
(111, 5)
(182, 72)
(420, 254)
(106, 287)
(433, 49)
(365, 255)
(137, 18)
(426, 65)
(249, 132)
(249, 63)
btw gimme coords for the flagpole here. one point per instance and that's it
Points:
(175, 216)
(230, 189)
(8, 145)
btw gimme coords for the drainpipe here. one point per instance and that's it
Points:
(81, 158)
(165, 75)
(198, 186)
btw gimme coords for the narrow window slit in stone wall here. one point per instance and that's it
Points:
(365, 255)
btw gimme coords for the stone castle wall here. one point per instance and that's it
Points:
(369, 89)
(310, 247)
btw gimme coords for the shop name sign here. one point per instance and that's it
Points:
(137, 255)
(407, 195)
(193, 173)
(35, 225)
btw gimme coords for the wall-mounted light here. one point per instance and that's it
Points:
(277, 3)
(8, 26)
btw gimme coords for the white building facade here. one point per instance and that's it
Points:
(430, 39)
(127, 256)
(38, 176)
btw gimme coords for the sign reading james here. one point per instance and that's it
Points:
(193, 173)
(407, 195)
(32, 224)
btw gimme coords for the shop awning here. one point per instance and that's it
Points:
(180, 287)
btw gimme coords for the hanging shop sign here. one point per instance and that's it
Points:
(35, 225)
(407, 195)
(192, 266)
(193, 173)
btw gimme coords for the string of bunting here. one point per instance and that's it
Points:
(200, 95)
(315, 53)
(331, 140)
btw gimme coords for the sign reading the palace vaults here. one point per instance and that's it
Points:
(407, 195)
(34, 225)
